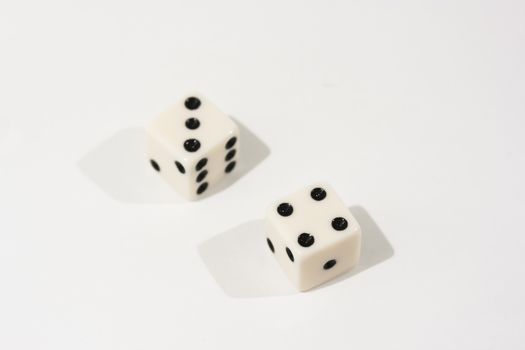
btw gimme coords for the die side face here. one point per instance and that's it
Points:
(163, 162)
(314, 236)
(194, 146)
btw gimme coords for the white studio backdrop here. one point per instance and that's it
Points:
(412, 110)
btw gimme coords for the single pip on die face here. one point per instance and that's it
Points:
(313, 236)
(193, 146)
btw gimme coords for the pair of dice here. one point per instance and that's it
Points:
(312, 234)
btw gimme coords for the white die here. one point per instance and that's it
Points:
(193, 145)
(313, 236)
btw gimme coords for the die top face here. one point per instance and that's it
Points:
(192, 128)
(312, 220)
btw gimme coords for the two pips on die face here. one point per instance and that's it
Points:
(184, 123)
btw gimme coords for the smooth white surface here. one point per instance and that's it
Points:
(413, 110)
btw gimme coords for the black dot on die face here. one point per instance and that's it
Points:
(154, 165)
(329, 264)
(201, 164)
(202, 175)
(285, 209)
(180, 167)
(192, 123)
(230, 155)
(192, 103)
(318, 194)
(339, 224)
(289, 253)
(229, 168)
(202, 188)
(305, 240)
(192, 145)
(270, 245)
(231, 142)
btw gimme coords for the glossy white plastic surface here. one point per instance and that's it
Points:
(315, 218)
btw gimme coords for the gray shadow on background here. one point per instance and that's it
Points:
(240, 262)
(119, 167)
(4, 128)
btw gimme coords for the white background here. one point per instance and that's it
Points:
(413, 110)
